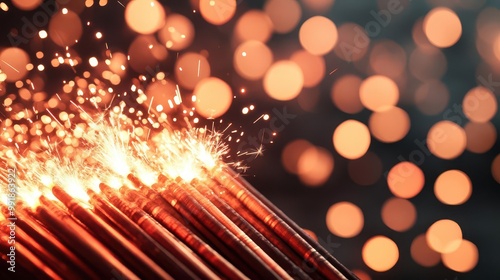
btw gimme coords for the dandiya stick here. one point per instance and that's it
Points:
(186, 258)
(242, 190)
(29, 261)
(135, 233)
(47, 240)
(183, 233)
(135, 258)
(80, 241)
(222, 247)
(253, 254)
(251, 231)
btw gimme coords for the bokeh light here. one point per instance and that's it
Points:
(318, 35)
(444, 236)
(361, 274)
(177, 33)
(378, 92)
(345, 94)
(431, 97)
(145, 52)
(480, 104)
(446, 140)
(313, 67)
(442, 27)
(353, 42)
(380, 253)
(463, 259)
(144, 16)
(291, 154)
(344, 219)
(13, 63)
(351, 139)
(217, 12)
(405, 180)
(495, 168)
(422, 253)
(65, 29)
(453, 187)
(389, 125)
(254, 25)
(283, 22)
(480, 137)
(314, 166)
(284, 80)
(427, 64)
(398, 214)
(318, 6)
(252, 59)
(388, 58)
(213, 97)
(190, 68)
(27, 4)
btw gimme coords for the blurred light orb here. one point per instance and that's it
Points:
(444, 236)
(389, 125)
(190, 68)
(481, 137)
(422, 253)
(159, 93)
(217, 12)
(495, 168)
(480, 104)
(254, 25)
(446, 140)
(378, 92)
(318, 35)
(315, 166)
(442, 27)
(380, 253)
(291, 154)
(361, 274)
(144, 16)
(463, 259)
(431, 97)
(388, 58)
(283, 22)
(345, 94)
(496, 47)
(351, 139)
(283, 80)
(344, 219)
(399, 214)
(13, 62)
(313, 67)
(405, 180)
(144, 53)
(177, 33)
(365, 170)
(65, 29)
(453, 187)
(318, 6)
(213, 97)
(27, 5)
(118, 63)
(353, 42)
(427, 64)
(252, 59)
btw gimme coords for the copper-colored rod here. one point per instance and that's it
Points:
(193, 266)
(123, 248)
(276, 223)
(211, 256)
(222, 247)
(233, 176)
(29, 261)
(222, 232)
(47, 240)
(138, 236)
(80, 241)
(250, 230)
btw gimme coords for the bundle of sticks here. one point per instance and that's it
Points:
(216, 228)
